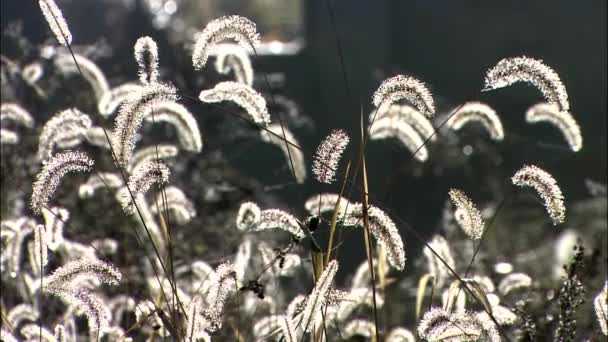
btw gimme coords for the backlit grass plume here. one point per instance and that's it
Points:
(151, 153)
(600, 304)
(233, 27)
(467, 215)
(408, 88)
(383, 229)
(100, 180)
(114, 97)
(325, 202)
(66, 128)
(326, 160)
(481, 113)
(17, 114)
(524, 69)
(391, 127)
(439, 264)
(294, 155)
(53, 172)
(143, 177)
(131, 114)
(241, 94)
(56, 22)
(319, 296)
(407, 113)
(233, 57)
(248, 216)
(146, 56)
(547, 188)
(90, 71)
(185, 124)
(562, 120)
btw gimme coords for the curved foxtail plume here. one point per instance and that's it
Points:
(288, 329)
(234, 27)
(319, 296)
(143, 177)
(131, 114)
(56, 22)
(241, 94)
(390, 127)
(100, 180)
(467, 215)
(53, 172)
(66, 282)
(112, 99)
(34, 332)
(547, 188)
(90, 71)
(383, 229)
(359, 327)
(21, 313)
(248, 216)
(400, 335)
(408, 88)
(478, 112)
(564, 121)
(151, 153)
(326, 161)
(438, 264)
(412, 117)
(41, 254)
(15, 113)
(184, 122)
(274, 135)
(224, 281)
(514, 281)
(176, 201)
(325, 202)
(66, 127)
(146, 56)
(524, 69)
(600, 304)
(233, 57)
(275, 218)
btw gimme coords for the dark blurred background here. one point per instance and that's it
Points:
(447, 44)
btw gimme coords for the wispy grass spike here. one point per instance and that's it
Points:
(326, 160)
(383, 229)
(248, 216)
(400, 335)
(146, 56)
(56, 22)
(524, 69)
(90, 71)
(233, 57)
(184, 122)
(325, 202)
(21, 313)
(149, 173)
(402, 131)
(478, 112)
(288, 329)
(564, 121)
(359, 327)
(99, 181)
(16, 113)
(297, 157)
(64, 277)
(408, 88)
(513, 282)
(547, 188)
(241, 94)
(467, 215)
(151, 153)
(234, 27)
(41, 253)
(177, 202)
(8, 137)
(600, 304)
(67, 125)
(34, 332)
(53, 172)
(435, 266)
(318, 296)
(113, 98)
(131, 114)
(275, 218)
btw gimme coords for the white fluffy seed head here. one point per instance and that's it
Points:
(185, 124)
(66, 128)
(547, 188)
(600, 304)
(146, 56)
(279, 219)
(319, 295)
(143, 177)
(524, 69)
(234, 27)
(408, 88)
(53, 172)
(131, 115)
(325, 202)
(241, 94)
(248, 216)
(16, 113)
(564, 121)
(293, 155)
(40, 246)
(391, 127)
(232, 57)
(56, 22)
(467, 215)
(435, 265)
(513, 282)
(481, 113)
(326, 161)
(113, 98)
